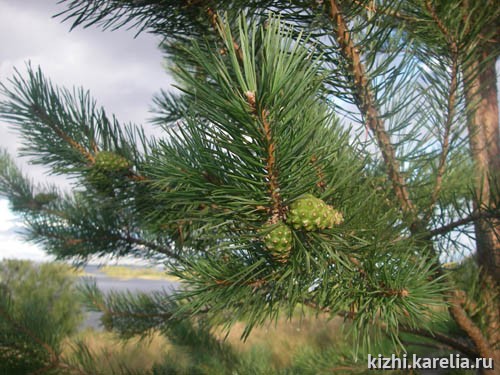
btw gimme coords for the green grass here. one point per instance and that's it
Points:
(122, 272)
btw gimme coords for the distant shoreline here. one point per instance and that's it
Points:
(126, 272)
(107, 283)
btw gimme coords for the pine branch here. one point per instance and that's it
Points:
(155, 247)
(476, 215)
(320, 173)
(449, 341)
(440, 24)
(71, 241)
(47, 120)
(438, 336)
(468, 326)
(450, 110)
(368, 107)
(272, 173)
(134, 313)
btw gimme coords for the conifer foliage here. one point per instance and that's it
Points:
(260, 195)
(257, 168)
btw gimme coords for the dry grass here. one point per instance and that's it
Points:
(122, 272)
(281, 341)
(112, 353)
(284, 338)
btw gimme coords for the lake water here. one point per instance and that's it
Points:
(107, 284)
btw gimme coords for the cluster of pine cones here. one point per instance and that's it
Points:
(306, 213)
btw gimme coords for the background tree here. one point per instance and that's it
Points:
(37, 311)
(252, 142)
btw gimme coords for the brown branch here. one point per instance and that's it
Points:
(443, 339)
(438, 21)
(432, 345)
(152, 246)
(70, 241)
(315, 306)
(272, 173)
(468, 326)
(477, 215)
(437, 336)
(450, 110)
(93, 146)
(44, 118)
(367, 105)
(134, 176)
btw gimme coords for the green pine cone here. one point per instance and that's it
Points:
(311, 213)
(109, 162)
(278, 240)
(334, 217)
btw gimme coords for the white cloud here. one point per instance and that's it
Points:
(122, 74)
(12, 244)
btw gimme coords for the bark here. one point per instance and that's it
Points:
(483, 348)
(483, 126)
(368, 107)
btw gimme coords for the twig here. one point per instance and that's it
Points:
(439, 337)
(438, 21)
(446, 135)
(368, 107)
(477, 215)
(44, 118)
(138, 241)
(428, 345)
(443, 339)
(468, 326)
(152, 246)
(272, 173)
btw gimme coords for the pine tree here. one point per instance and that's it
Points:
(259, 196)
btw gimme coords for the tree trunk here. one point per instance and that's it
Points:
(483, 126)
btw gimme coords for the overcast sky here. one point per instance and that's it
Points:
(122, 74)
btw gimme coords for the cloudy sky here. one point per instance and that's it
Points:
(122, 74)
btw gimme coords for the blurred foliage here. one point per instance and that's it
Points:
(38, 309)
